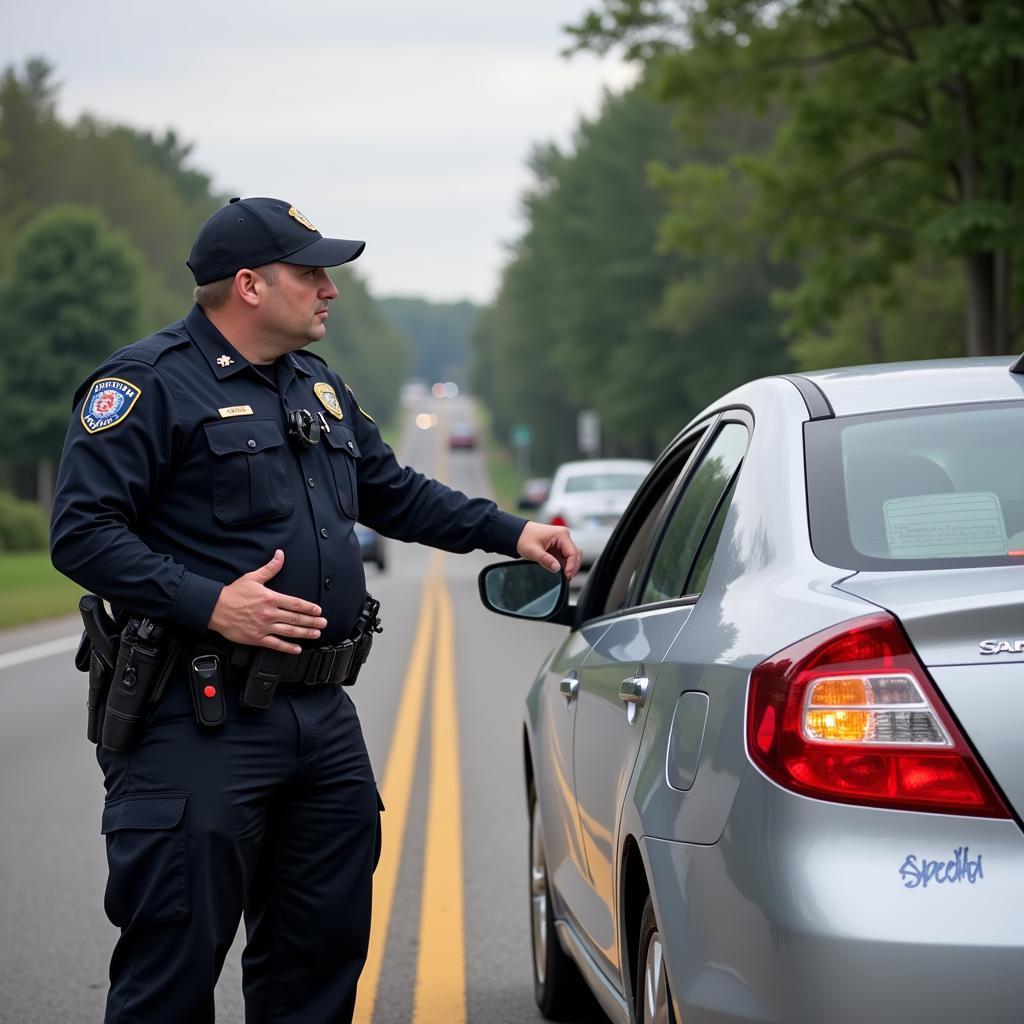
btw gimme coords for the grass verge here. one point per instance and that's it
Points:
(31, 589)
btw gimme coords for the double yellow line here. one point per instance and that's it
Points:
(440, 996)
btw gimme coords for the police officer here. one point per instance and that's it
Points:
(210, 480)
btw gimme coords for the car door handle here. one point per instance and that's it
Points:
(568, 688)
(634, 690)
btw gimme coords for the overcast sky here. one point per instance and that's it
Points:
(404, 123)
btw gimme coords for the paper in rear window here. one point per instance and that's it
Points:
(945, 526)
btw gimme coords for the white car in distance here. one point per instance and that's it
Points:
(589, 496)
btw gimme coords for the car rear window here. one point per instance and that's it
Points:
(921, 489)
(603, 482)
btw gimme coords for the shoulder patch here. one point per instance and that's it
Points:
(351, 394)
(110, 400)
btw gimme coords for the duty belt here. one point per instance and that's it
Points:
(318, 666)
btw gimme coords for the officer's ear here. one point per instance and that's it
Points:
(249, 286)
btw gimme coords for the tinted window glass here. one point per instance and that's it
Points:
(701, 568)
(690, 518)
(918, 490)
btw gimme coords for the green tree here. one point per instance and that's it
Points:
(141, 182)
(899, 148)
(439, 335)
(72, 297)
(603, 305)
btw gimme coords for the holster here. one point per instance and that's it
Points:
(128, 671)
(97, 654)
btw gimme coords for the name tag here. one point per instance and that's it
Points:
(235, 410)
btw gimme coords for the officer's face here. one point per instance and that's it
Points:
(294, 308)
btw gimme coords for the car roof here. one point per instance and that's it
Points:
(603, 466)
(852, 390)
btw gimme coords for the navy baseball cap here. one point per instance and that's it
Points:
(251, 232)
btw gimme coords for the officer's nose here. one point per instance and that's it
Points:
(327, 290)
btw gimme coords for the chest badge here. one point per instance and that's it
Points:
(328, 399)
(109, 401)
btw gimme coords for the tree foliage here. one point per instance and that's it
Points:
(899, 146)
(96, 221)
(438, 333)
(598, 309)
(72, 298)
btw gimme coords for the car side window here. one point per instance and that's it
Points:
(708, 547)
(641, 533)
(691, 518)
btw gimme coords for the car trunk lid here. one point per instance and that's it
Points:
(967, 627)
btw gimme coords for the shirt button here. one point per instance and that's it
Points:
(351, 446)
(327, 583)
(251, 443)
(311, 482)
(323, 532)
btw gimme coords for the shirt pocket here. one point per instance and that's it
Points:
(250, 472)
(343, 452)
(147, 857)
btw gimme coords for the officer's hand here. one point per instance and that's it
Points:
(550, 546)
(247, 612)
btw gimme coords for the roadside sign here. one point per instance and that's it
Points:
(521, 435)
(588, 431)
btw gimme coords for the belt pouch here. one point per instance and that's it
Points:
(261, 681)
(135, 674)
(207, 691)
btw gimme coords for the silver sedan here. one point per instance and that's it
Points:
(775, 768)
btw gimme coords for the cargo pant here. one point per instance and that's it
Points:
(275, 815)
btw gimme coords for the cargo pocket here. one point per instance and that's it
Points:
(147, 857)
(250, 474)
(344, 456)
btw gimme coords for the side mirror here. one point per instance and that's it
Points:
(525, 590)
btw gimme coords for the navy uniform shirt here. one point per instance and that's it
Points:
(178, 477)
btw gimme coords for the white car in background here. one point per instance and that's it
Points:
(590, 496)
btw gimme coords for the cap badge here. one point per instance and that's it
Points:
(109, 401)
(301, 218)
(224, 360)
(328, 399)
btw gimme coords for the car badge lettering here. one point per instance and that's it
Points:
(1001, 647)
(301, 218)
(328, 399)
(961, 868)
(109, 401)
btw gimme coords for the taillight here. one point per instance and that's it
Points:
(558, 521)
(849, 714)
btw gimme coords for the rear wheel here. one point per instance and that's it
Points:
(559, 989)
(653, 996)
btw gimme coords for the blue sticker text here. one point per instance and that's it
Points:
(921, 873)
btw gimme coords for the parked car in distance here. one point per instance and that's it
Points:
(589, 496)
(371, 544)
(775, 768)
(534, 493)
(462, 435)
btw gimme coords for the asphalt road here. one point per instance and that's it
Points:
(441, 706)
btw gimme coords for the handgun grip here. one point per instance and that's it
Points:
(100, 627)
